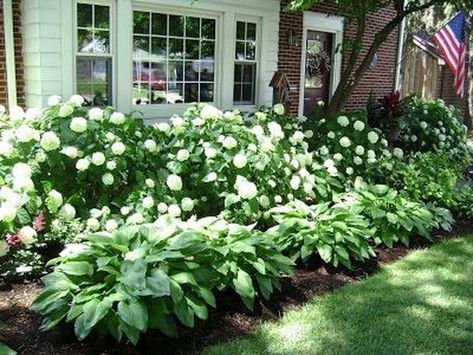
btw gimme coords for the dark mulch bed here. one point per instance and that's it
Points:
(230, 320)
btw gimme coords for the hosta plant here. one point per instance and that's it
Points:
(338, 233)
(394, 218)
(147, 277)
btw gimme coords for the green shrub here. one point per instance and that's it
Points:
(144, 277)
(393, 217)
(428, 177)
(337, 233)
(432, 126)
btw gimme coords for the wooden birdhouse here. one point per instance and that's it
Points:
(281, 88)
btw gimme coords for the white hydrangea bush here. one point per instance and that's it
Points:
(350, 148)
(432, 126)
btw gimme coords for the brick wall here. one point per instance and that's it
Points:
(380, 81)
(20, 81)
(446, 91)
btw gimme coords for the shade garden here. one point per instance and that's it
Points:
(133, 227)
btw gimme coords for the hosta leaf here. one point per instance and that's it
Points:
(134, 274)
(184, 313)
(176, 291)
(184, 278)
(77, 268)
(54, 318)
(325, 252)
(158, 283)
(134, 314)
(95, 310)
(244, 287)
(132, 333)
(159, 318)
(207, 296)
(81, 329)
(199, 308)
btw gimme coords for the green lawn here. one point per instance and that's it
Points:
(422, 304)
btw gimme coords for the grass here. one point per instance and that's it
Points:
(422, 304)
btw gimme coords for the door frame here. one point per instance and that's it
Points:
(315, 21)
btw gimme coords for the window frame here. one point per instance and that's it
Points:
(111, 54)
(257, 60)
(167, 110)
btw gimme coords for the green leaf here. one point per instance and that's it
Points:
(159, 318)
(54, 318)
(199, 308)
(184, 278)
(95, 310)
(176, 291)
(207, 296)
(81, 329)
(158, 283)
(184, 313)
(134, 314)
(244, 287)
(325, 252)
(77, 268)
(134, 274)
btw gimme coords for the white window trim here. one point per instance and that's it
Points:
(167, 110)
(258, 22)
(315, 21)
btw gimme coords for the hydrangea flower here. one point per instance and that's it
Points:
(68, 212)
(111, 225)
(78, 124)
(93, 224)
(359, 126)
(371, 154)
(275, 130)
(96, 114)
(210, 153)
(309, 134)
(150, 183)
(331, 135)
(25, 134)
(54, 100)
(279, 109)
(118, 148)
(240, 161)
(343, 121)
(345, 142)
(108, 179)
(49, 141)
(162, 208)
(163, 127)
(398, 153)
(117, 118)
(125, 210)
(349, 171)
(151, 146)
(148, 202)
(65, 110)
(229, 143)
(7, 213)
(209, 111)
(82, 164)
(182, 155)
(358, 160)
(174, 182)
(187, 204)
(211, 177)
(246, 189)
(70, 152)
(338, 157)
(98, 158)
(174, 210)
(76, 100)
(17, 113)
(21, 169)
(295, 182)
(373, 137)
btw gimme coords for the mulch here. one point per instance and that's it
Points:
(230, 320)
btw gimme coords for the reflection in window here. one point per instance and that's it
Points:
(93, 59)
(245, 64)
(173, 58)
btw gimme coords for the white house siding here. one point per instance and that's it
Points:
(50, 51)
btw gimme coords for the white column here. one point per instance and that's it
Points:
(226, 55)
(10, 52)
(124, 55)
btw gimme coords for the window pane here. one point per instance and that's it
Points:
(159, 24)
(206, 71)
(206, 92)
(84, 41)
(208, 29)
(238, 73)
(176, 26)
(175, 70)
(207, 50)
(175, 93)
(140, 71)
(240, 51)
(250, 51)
(192, 27)
(84, 15)
(248, 74)
(192, 49)
(192, 71)
(102, 17)
(248, 93)
(176, 48)
(241, 30)
(141, 47)
(101, 41)
(159, 48)
(93, 80)
(237, 93)
(251, 32)
(158, 75)
(141, 22)
(191, 93)
(141, 93)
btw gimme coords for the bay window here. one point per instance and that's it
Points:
(173, 58)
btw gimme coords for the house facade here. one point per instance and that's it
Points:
(158, 56)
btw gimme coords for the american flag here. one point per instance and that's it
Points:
(451, 40)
